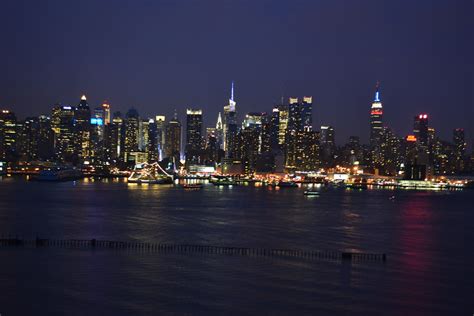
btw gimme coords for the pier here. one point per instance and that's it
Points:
(192, 248)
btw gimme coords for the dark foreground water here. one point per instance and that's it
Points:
(428, 238)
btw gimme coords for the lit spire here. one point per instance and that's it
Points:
(377, 92)
(219, 121)
(232, 91)
(83, 98)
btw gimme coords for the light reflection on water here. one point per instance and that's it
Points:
(423, 233)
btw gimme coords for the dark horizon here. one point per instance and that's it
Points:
(161, 56)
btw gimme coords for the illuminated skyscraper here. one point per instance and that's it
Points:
(131, 139)
(376, 130)
(420, 129)
(160, 121)
(97, 133)
(115, 137)
(82, 117)
(173, 140)
(63, 118)
(194, 137)
(376, 119)
(8, 136)
(459, 148)
(327, 145)
(219, 132)
(106, 110)
(230, 126)
(283, 115)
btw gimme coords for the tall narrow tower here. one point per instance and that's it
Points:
(230, 125)
(376, 122)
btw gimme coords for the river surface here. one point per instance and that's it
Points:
(427, 236)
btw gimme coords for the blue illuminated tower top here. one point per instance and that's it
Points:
(377, 92)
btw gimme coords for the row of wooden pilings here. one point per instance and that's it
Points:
(193, 248)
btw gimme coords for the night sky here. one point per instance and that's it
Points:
(162, 55)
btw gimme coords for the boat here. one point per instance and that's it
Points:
(222, 180)
(149, 174)
(287, 184)
(311, 192)
(59, 174)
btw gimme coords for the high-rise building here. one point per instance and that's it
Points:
(194, 137)
(115, 137)
(160, 121)
(82, 117)
(152, 145)
(230, 129)
(8, 136)
(131, 139)
(303, 151)
(294, 118)
(459, 148)
(219, 132)
(327, 141)
(307, 114)
(274, 128)
(63, 126)
(173, 140)
(420, 129)
(376, 129)
(106, 111)
(97, 152)
(283, 117)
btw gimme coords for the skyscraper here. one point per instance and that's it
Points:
(8, 135)
(327, 145)
(194, 137)
(420, 129)
(63, 120)
(219, 132)
(82, 117)
(376, 129)
(160, 121)
(106, 111)
(131, 139)
(230, 125)
(173, 140)
(459, 148)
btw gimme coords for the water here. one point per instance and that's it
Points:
(427, 237)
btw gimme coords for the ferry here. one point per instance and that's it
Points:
(59, 174)
(222, 180)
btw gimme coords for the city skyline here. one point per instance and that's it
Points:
(166, 57)
(210, 119)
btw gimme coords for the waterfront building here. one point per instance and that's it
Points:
(173, 140)
(160, 121)
(8, 136)
(97, 152)
(194, 137)
(152, 141)
(64, 130)
(460, 145)
(327, 142)
(114, 139)
(131, 138)
(303, 151)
